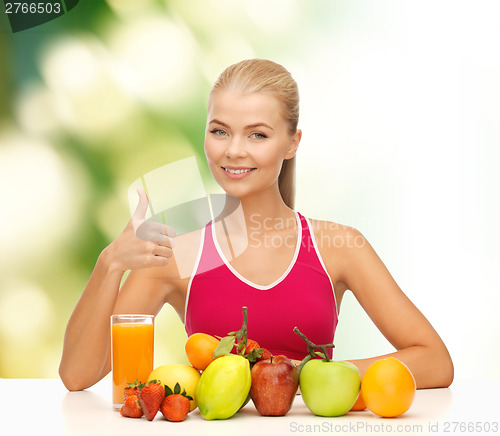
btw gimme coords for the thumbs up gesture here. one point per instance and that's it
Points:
(142, 243)
(148, 230)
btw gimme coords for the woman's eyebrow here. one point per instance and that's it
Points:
(219, 122)
(250, 126)
(261, 124)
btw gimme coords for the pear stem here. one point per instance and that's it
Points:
(241, 334)
(311, 346)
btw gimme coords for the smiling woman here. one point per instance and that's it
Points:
(251, 140)
(266, 78)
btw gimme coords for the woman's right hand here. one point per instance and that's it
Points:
(142, 243)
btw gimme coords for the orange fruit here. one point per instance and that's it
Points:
(359, 404)
(199, 349)
(388, 387)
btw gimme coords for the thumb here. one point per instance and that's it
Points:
(142, 207)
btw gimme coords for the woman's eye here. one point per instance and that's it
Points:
(258, 135)
(218, 132)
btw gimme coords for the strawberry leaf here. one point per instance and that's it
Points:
(254, 354)
(184, 394)
(132, 385)
(177, 389)
(168, 391)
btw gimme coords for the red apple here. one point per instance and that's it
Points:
(274, 385)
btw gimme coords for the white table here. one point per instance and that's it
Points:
(466, 404)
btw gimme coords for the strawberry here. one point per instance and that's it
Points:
(266, 354)
(176, 404)
(251, 345)
(131, 389)
(253, 350)
(131, 407)
(150, 398)
(175, 407)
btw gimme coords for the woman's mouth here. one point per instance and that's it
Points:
(237, 172)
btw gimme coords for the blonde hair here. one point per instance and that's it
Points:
(260, 75)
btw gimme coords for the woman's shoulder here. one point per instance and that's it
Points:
(338, 244)
(334, 235)
(331, 227)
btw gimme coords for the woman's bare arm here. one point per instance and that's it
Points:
(86, 347)
(85, 357)
(418, 345)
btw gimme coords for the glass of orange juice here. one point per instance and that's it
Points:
(132, 342)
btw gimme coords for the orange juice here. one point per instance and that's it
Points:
(132, 353)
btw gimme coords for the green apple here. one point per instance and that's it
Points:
(329, 388)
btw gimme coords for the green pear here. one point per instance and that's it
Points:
(223, 387)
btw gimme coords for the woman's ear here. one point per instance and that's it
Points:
(294, 144)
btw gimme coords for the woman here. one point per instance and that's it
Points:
(288, 270)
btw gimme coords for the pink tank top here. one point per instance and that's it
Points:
(303, 296)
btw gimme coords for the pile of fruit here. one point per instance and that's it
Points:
(227, 372)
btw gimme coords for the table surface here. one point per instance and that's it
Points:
(466, 405)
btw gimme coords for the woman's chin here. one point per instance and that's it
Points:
(233, 189)
(236, 193)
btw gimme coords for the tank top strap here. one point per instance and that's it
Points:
(306, 235)
(209, 258)
(309, 251)
(307, 243)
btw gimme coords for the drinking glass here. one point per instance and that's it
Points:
(132, 343)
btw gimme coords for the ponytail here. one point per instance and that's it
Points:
(286, 182)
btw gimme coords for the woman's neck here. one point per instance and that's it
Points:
(256, 211)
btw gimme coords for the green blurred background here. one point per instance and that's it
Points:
(400, 120)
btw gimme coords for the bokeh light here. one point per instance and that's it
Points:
(88, 98)
(158, 56)
(25, 312)
(129, 7)
(42, 196)
(274, 19)
(36, 110)
(26, 328)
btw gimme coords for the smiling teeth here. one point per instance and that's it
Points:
(237, 171)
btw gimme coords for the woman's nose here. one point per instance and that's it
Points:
(235, 148)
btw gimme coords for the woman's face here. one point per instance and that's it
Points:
(246, 141)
